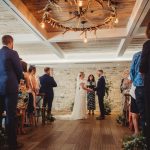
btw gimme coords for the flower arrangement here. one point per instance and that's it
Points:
(134, 143)
(107, 107)
(3, 137)
(71, 108)
(121, 120)
(107, 99)
(108, 87)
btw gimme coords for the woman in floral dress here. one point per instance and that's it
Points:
(91, 94)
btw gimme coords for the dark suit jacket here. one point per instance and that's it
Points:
(145, 69)
(101, 87)
(145, 58)
(10, 71)
(47, 83)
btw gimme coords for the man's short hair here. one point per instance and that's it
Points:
(46, 69)
(6, 39)
(101, 71)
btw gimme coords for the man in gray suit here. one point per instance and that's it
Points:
(10, 75)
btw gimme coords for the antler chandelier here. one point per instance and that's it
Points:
(78, 19)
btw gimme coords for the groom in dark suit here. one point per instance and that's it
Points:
(10, 75)
(101, 93)
(47, 83)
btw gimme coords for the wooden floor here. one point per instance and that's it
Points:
(76, 135)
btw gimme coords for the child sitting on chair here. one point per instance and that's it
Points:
(22, 106)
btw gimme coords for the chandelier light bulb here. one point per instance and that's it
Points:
(116, 21)
(43, 25)
(80, 3)
(85, 40)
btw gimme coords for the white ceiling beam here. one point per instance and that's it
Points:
(141, 19)
(75, 58)
(54, 47)
(123, 45)
(138, 14)
(25, 38)
(23, 14)
(100, 34)
(141, 32)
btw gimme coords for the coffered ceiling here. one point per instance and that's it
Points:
(36, 45)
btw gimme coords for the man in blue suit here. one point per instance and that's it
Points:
(47, 83)
(10, 75)
(101, 93)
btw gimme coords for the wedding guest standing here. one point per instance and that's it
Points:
(31, 89)
(101, 93)
(91, 94)
(10, 75)
(145, 70)
(134, 112)
(47, 84)
(125, 88)
(138, 82)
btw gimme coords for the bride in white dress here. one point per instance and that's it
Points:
(79, 109)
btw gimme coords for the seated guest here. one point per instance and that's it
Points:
(47, 83)
(145, 70)
(10, 75)
(22, 106)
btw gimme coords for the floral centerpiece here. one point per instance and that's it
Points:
(134, 143)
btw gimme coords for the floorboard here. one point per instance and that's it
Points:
(87, 134)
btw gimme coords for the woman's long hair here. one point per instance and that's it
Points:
(93, 80)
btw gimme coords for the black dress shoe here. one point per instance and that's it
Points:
(100, 118)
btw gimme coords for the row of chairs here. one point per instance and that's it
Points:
(39, 115)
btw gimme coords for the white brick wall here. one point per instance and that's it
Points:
(65, 76)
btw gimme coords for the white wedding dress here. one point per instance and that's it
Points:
(79, 109)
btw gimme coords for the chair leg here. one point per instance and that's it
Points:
(43, 116)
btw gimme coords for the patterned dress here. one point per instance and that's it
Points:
(91, 96)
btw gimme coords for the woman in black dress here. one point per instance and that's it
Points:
(91, 95)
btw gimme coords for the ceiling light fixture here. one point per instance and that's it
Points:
(80, 3)
(87, 12)
(116, 21)
(42, 25)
